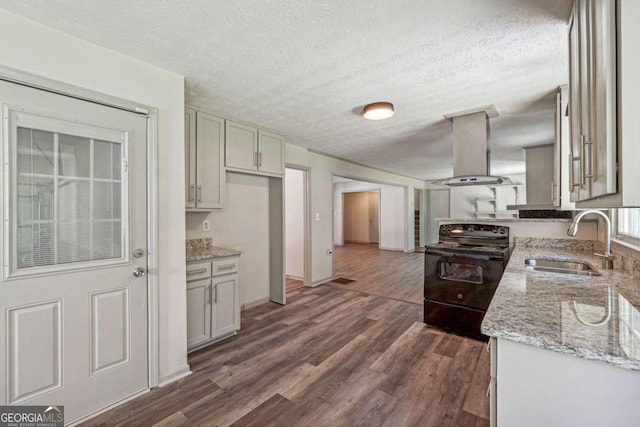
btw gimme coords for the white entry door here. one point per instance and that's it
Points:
(73, 325)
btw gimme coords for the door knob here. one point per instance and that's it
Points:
(139, 272)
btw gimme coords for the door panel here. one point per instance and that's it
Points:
(198, 312)
(35, 359)
(224, 316)
(74, 209)
(241, 150)
(210, 149)
(109, 329)
(271, 152)
(190, 157)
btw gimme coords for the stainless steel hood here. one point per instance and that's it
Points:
(470, 149)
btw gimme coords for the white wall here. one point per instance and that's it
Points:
(37, 49)
(394, 216)
(244, 224)
(437, 207)
(294, 222)
(392, 211)
(463, 199)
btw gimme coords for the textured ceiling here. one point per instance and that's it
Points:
(305, 68)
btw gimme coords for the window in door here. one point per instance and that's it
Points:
(69, 198)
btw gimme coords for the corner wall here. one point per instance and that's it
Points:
(35, 48)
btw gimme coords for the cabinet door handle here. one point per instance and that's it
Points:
(199, 193)
(215, 300)
(572, 183)
(208, 295)
(589, 145)
(226, 267)
(255, 159)
(260, 159)
(582, 178)
(200, 270)
(192, 193)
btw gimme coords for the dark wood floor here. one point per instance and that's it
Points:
(390, 274)
(330, 357)
(293, 284)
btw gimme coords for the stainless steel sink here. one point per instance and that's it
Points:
(564, 266)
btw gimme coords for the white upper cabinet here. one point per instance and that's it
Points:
(252, 149)
(190, 157)
(592, 48)
(561, 193)
(604, 103)
(271, 152)
(204, 154)
(241, 146)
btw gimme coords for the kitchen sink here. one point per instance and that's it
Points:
(564, 266)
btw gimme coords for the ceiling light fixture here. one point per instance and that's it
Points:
(378, 111)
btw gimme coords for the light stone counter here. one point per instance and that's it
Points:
(202, 249)
(501, 219)
(596, 318)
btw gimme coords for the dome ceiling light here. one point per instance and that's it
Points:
(378, 111)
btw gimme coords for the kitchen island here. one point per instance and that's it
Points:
(565, 348)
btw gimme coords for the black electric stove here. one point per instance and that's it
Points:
(462, 272)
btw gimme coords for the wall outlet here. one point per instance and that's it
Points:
(318, 216)
(205, 225)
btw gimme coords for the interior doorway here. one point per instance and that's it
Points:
(361, 219)
(296, 228)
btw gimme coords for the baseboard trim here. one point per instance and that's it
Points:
(295, 278)
(322, 281)
(248, 305)
(175, 376)
(392, 249)
(107, 408)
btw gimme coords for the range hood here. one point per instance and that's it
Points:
(470, 150)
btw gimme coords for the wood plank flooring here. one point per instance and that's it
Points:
(390, 274)
(330, 357)
(293, 284)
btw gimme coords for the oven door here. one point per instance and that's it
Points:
(462, 279)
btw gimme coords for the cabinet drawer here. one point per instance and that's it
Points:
(225, 266)
(200, 270)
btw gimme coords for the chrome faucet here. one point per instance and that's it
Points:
(607, 257)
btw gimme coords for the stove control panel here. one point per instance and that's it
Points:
(483, 234)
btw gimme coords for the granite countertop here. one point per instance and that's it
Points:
(202, 249)
(505, 219)
(596, 318)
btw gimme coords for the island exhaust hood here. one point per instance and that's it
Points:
(470, 151)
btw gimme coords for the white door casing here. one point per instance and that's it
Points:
(74, 317)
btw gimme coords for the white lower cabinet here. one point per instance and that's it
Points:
(213, 303)
(534, 387)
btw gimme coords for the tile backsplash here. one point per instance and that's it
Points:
(627, 259)
(198, 243)
(549, 243)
